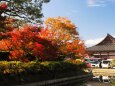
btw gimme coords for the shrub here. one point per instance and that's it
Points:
(46, 66)
(17, 72)
(77, 62)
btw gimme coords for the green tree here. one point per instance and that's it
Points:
(15, 13)
(29, 10)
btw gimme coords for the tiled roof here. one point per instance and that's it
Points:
(108, 44)
(108, 47)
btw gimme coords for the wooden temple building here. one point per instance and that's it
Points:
(105, 49)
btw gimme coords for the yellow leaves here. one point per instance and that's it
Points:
(62, 23)
(61, 31)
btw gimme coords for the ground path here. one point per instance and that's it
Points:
(103, 71)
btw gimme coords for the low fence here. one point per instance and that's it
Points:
(60, 82)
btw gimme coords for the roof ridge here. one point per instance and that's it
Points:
(109, 35)
(107, 40)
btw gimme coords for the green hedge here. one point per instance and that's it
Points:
(18, 67)
(37, 71)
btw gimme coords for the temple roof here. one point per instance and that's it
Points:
(107, 44)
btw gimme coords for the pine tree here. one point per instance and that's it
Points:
(28, 10)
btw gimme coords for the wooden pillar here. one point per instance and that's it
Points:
(107, 55)
(100, 55)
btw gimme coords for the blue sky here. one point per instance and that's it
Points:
(94, 18)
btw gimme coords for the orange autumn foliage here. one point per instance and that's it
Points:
(63, 33)
(6, 26)
(58, 37)
(25, 44)
(61, 23)
(5, 45)
(77, 47)
(59, 30)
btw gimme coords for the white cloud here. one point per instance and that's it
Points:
(92, 42)
(99, 2)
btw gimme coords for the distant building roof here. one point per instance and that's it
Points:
(108, 44)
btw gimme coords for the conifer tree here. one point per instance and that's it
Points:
(29, 10)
